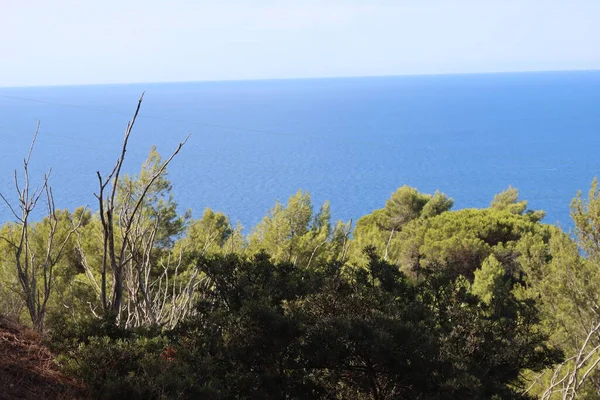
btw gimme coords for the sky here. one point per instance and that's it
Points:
(71, 42)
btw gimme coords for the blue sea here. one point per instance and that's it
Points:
(350, 140)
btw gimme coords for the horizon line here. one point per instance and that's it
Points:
(299, 78)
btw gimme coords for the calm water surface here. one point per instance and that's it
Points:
(352, 141)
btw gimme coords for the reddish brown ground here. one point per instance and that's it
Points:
(27, 369)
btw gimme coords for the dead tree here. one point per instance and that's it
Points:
(35, 267)
(119, 226)
(570, 376)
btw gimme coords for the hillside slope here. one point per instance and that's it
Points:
(27, 370)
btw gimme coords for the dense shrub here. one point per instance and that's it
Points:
(275, 330)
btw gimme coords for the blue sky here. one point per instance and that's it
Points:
(118, 41)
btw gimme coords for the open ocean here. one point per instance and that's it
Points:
(350, 140)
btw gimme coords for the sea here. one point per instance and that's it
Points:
(352, 141)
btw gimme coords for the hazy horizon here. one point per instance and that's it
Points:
(550, 71)
(71, 42)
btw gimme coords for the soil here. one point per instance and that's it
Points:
(28, 370)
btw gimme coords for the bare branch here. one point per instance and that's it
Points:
(127, 245)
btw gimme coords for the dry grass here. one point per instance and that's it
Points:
(27, 369)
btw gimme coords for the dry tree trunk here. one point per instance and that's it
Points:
(119, 230)
(32, 267)
(570, 376)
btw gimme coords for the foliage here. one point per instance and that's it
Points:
(39, 251)
(278, 330)
(292, 233)
(490, 281)
(462, 240)
(380, 228)
(564, 278)
(133, 368)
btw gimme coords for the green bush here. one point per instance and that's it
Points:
(133, 368)
(267, 330)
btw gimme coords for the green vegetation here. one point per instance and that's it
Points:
(418, 301)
